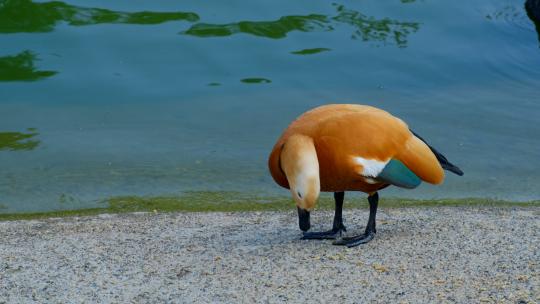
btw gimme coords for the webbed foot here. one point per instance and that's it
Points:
(355, 240)
(325, 235)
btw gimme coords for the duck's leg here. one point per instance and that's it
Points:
(370, 228)
(337, 227)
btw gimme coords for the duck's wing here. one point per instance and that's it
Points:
(418, 157)
(397, 174)
(384, 149)
(413, 163)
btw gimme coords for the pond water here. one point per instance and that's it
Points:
(130, 97)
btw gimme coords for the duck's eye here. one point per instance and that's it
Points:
(299, 195)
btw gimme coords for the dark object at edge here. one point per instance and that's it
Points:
(532, 7)
(533, 10)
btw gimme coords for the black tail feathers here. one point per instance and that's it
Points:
(445, 164)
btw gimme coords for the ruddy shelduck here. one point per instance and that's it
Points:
(347, 147)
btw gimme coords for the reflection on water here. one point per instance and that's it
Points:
(27, 16)
(21, 67)
(366, 28)
(269, 29)
(17, 141)
(310, 51)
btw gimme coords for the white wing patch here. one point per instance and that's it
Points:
(372, 167)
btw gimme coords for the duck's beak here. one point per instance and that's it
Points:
(303, 219)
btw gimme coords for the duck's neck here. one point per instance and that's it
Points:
(301, 166)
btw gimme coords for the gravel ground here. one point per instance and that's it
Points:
(420, 255)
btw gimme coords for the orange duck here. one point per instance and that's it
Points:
(346, 147)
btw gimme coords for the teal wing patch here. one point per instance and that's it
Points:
(397, 174)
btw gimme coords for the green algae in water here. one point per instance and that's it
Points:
(202, 201)
(19, 141)
(210, 201)
(310, 51)
(255, 80)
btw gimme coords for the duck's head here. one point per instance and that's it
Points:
(305, 193)
(301, 166)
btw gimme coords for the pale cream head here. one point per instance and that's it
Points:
(301, 166)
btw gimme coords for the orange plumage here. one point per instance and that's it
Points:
(342, 132)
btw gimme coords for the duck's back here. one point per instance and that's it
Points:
(352, 142)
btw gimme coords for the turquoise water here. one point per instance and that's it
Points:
(101, 98)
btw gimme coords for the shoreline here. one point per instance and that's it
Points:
(244, 202)
(419, 255)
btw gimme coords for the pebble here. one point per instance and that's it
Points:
(419, 255)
